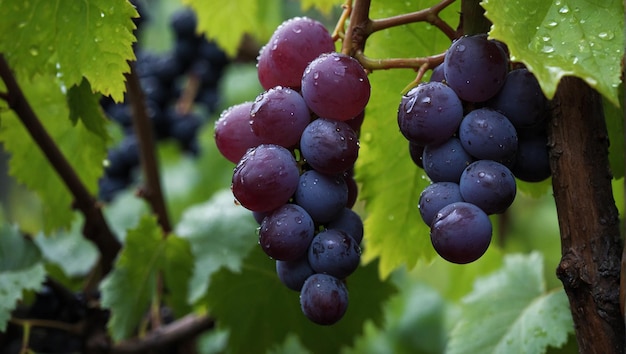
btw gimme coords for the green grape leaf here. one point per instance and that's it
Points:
(534, 189)
(325, 6)
(84, 150)
(20, 269)
(85, 105)
(221, 234)
(390, 182)
(177, 272)
(228, 22)
(515, 311)
(71, 40)
(130, 288)
(564, 37)
(243, 300)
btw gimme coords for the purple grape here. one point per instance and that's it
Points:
(329, 146)
(437, 74)
(461, 232)
(436, 196)
(353, 189)
(416, 151)
(265, 178)
(279, 116)
(322, 196)
(294, 273)
(487, 134)
(520, 99)
(293, 45)
(335, 86)
(350, 222)
(532, 162)
(489, 185)
(334, 252)
(233, 134)
(475, 68)
(323, 299)
(286, 233)
(430, 113)
(446, 162)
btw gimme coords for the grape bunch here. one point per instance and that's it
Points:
(179, 87)
(294, 148)
(474, 128)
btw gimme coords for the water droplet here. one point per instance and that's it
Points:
(551, 24)
(460, 48)
(316, 75)
(564, 10)
(607, 36)
(547, 49)
(546, 38)
(426, 100)
(34, 51)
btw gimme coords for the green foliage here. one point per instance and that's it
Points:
(70, 40)
(564, 37)
(131, 287)
(511, 311)
(221, 235)
(84, 105)
(390, 181)
(325, 6)
(20, 269)
(84, 149)
(271, 311)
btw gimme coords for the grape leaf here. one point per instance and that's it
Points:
(85, 105)
(70, 39)
(257, 295)
(510, 311)
(564, 37)
(20, 269)
(391, 183)
(129, 289)
(84, 150)
(221, 234)
(325, 6)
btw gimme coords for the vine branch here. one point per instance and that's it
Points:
(96, 228)
(430, 15)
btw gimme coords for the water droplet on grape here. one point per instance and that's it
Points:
(460, 48)
(426, 100)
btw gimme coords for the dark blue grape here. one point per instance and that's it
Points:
(487, 134)
(323, 299)
(184, 130)
(109, 187)
(183, 23)
(416, 151)
(430, 113)
(322, 196)
(437, 74)
(461, 232)
(123, 158)
(286, 233)
(350, 222)
(446, 162)
(329, 146)
(436, 196)
(334, 252)
(488, 184)
(532, 162)
(293, 274)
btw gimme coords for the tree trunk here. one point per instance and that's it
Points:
(588, 218)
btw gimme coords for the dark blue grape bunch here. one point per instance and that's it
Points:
(475, 128)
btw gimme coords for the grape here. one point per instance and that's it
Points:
(437, 74)
(489, 185)
(350, 222)
(183, 22)
(233, 134)
(353, 189)
(286, 233)
(356, 122)
(185, 130)
(416, 151)
(436, 196)
(293, 45)
(322, 196)
(475, 68)
(520, 99)
(334, 252)
(336, 86)
(532, 163)
(329, 146)
(265, 178)
(323, 299)
(294, 273)
(279, 116)
(430, 113)
(461, 232)
(123, 158)
(487, 134)
(446, 162)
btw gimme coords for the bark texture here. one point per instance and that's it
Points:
(588, 218)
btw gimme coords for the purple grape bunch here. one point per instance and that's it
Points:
(294, 148)
(475, 128)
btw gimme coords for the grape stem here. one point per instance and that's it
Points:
(339, 32)
(95, 229)
(430, 15)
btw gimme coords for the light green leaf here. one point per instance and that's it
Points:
(390, 182)
(84, 150)
(221, 234)
(177, 271)
(20, 269)
(84, 105)
(130, 288)
(510, 311)
(70, 40)
(325, 6)
(272, 311)
(563, 37)
(534, 189)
